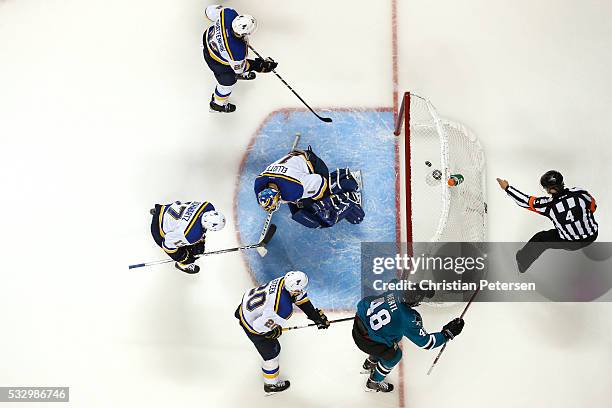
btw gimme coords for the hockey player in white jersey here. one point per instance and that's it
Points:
(316, 198)
(180, 229)
(225, 53)
(263, 312)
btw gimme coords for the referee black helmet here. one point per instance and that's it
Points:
(552, 179)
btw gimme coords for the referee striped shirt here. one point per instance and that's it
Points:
(571, 211)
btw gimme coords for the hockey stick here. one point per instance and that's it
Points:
(266, 238)
(262, 250)
(444, 346)
(326, 120)
(344, 319)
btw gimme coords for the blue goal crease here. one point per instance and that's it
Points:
(360, 140)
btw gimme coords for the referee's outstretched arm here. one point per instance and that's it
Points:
(532, 203)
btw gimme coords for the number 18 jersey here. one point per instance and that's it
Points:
(388, 320)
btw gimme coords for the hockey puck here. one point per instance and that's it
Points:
(437, 174)
(428, 163)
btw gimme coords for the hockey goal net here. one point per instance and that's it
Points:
(437, 154)
(443, 170)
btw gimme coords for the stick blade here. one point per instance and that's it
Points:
(326, 120)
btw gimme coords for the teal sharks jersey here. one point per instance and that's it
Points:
(388, 320)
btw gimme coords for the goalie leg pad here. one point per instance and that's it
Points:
(342, 181)
(306, 218)
(355, 214)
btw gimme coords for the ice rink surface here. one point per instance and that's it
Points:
(104, 112)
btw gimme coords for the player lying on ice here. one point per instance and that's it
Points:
(317, 199)
(380, 324)
(225, 52)
(263, 312)
(180, 230)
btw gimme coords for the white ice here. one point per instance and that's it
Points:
(104, 111)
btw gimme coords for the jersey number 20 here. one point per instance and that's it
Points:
(379, 319)
(257, 297)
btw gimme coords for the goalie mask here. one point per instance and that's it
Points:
(268, 199)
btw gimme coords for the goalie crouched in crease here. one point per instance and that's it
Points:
(316, 197)
(180, 230)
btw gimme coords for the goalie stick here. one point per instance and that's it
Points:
(270, 230)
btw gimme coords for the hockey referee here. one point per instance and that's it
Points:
(570, 209)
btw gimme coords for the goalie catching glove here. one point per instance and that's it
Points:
(262, 65)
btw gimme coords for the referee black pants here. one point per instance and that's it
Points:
(544, 240)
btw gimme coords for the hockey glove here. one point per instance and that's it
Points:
(198, 248)
(321, 320)
(246, 76)
(263, 65)
(453, 328)
(275, 333)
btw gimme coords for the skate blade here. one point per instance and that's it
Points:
(364, 371)
(269, 394)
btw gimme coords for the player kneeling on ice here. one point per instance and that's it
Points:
(225, 52)
(317, 199)
(382, 321)
(180, 230)
(263, 312)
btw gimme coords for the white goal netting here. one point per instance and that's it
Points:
(444, 175)
(443, 150)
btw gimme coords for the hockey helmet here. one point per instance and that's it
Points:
(414, 297)
(296, 282)
(552, 179)
(243, 25)
(268, 198)
(213, 220)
